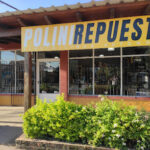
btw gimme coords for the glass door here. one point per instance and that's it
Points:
(48, 79)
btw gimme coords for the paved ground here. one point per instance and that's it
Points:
(10, 126)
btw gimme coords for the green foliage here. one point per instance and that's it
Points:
(109, 124)
(61, 119)
(120, 126)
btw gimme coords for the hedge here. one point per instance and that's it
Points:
(109, 124)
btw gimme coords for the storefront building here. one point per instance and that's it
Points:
(83, 50)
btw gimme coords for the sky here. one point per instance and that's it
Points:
(25, 4)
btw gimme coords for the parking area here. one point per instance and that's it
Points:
(10, 126)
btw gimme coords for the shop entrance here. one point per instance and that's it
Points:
(48, 79)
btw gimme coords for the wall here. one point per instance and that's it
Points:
(139, 102)
(18, 100)
(13, 100)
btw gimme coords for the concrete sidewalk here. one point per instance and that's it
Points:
(10, 126)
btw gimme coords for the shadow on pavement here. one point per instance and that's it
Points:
(8, 134)
(10, 122)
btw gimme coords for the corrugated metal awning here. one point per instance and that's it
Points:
(67, 7)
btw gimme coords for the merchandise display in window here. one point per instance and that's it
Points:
(107, 76)
(19, 72)
(7, 72)
(136, 76)
(49, 77)
(7, 77)
(112, 71)
(80, 76)
(12, 72)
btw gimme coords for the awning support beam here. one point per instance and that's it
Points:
(79, 16)
(49, 20)
(112, 13)
(10, 33)
(147, 10)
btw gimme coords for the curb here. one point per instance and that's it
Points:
(35, 144)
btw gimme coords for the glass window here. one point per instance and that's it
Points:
(19, 56)
(107, 52)
(136, 76)
(33, 72)
(136, 50)
(107, 79)
(7, 72)
(42, 55)
(80, 53)
(107, 76)
(49, 77)
(19, 72)
(12, 72)
(7, 56)
(80, 76)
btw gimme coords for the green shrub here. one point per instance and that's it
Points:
(35, 121)
(61, 119)
(109, 124)
(67, 120)
(120, 126)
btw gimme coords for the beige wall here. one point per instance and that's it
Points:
(18, 100)
(13, 100)
(141, 102)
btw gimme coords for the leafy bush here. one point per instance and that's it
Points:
(35, 121)
(109, 124)
(120, 126)
(61, 119)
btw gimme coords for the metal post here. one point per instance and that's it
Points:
(27, 80)
(93, 70)
(15, 75)
(121, 72)
(35, 58)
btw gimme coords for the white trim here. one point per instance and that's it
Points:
(37, 77)
(37, 74)
(68, 73)
(15, 74)
(121, 72)
(107, 57)
(93, 72)
(80, 57)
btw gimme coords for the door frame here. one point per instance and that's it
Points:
(38, 73)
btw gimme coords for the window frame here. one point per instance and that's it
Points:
(121, 56)
(15, 72)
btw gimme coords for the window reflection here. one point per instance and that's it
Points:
(19, 56)
(80, 53)
(7, 57)
(80, 76)
(42, 55)
(136, 50)
(19, 72)
(7, 72)
(135, 68)
(136, 76)
(107, 76)
(49, 77)
(107, 52)
(7, 77)
(12, 72)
